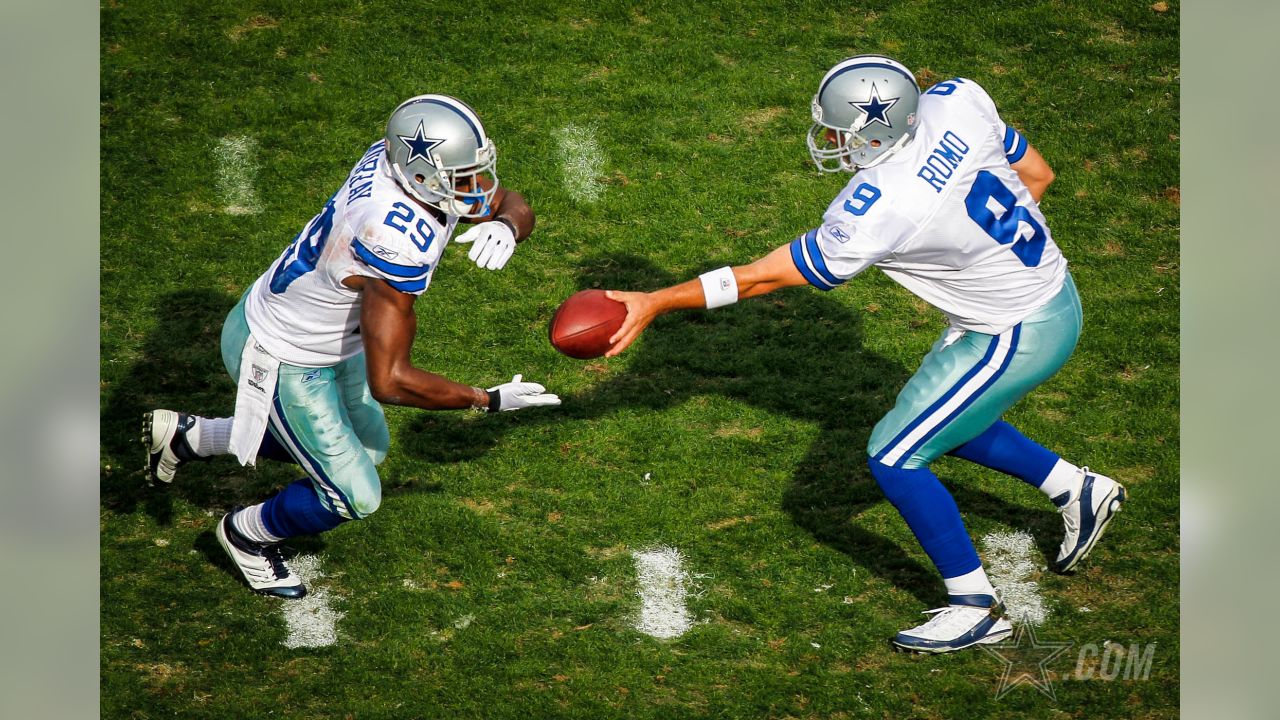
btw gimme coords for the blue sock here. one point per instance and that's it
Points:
(271, 449)
(296, 510)
(1001, 447)
(932, 515)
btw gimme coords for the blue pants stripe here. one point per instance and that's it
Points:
(1008, 358)
(991, 350)
(1002, 349)
(341, 504)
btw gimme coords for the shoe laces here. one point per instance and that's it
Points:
(1072, 519)
(274, 555)
(948, 620)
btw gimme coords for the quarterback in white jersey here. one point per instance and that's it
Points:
(948, 219)
(944, 200)
(324, 335)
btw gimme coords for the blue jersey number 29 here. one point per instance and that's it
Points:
(400, 217)
(1007, 226)
(300, 257)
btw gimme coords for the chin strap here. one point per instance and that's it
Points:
(448, 204)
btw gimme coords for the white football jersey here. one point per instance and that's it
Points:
(945, 217)
(300, 311)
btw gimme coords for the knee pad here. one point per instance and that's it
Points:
(366, 502)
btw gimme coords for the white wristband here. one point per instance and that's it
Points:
(719, 287)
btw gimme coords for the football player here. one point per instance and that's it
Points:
(944, 199)
(324, 335)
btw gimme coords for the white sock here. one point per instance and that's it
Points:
(214, 436)
(248, 522)
(1064, 477)
(970, 583)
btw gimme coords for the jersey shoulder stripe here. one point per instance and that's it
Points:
(808, 259)
(393, 239)
(413, 287)
(1015, 146)
(386, 267)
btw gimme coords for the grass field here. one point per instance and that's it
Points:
(654, 142)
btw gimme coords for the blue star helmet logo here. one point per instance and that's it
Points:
(875, 108)
(420, 146)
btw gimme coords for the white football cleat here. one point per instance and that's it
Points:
(969, 620)
(168, 436)
(1086, 517)
(263, 566)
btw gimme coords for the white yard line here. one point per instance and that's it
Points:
(664, 585)
(1012, 560)
(581, 161)
(237, 168)
(311, 621)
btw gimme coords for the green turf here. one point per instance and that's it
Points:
(750, 421)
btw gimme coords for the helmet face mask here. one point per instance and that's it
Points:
(864, 112)
(440, 154)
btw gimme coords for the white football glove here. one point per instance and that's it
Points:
(516, 395)
(494, 243)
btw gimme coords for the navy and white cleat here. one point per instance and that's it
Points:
(263, 566)
(969, 620)
(167, 436)
(1086, 517)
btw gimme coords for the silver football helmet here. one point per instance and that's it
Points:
(865, 111)
(439, 151)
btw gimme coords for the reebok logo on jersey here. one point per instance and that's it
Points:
(384, 253)
(840, 235)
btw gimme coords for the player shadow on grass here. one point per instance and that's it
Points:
(797, 352)
(180, 368)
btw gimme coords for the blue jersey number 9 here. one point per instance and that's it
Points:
(861, 199)
(1011, 225)
(945, 88)
(301, 256)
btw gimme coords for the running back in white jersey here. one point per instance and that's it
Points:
(946, 217)
(300, 311)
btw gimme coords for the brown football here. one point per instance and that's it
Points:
(583, 324)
